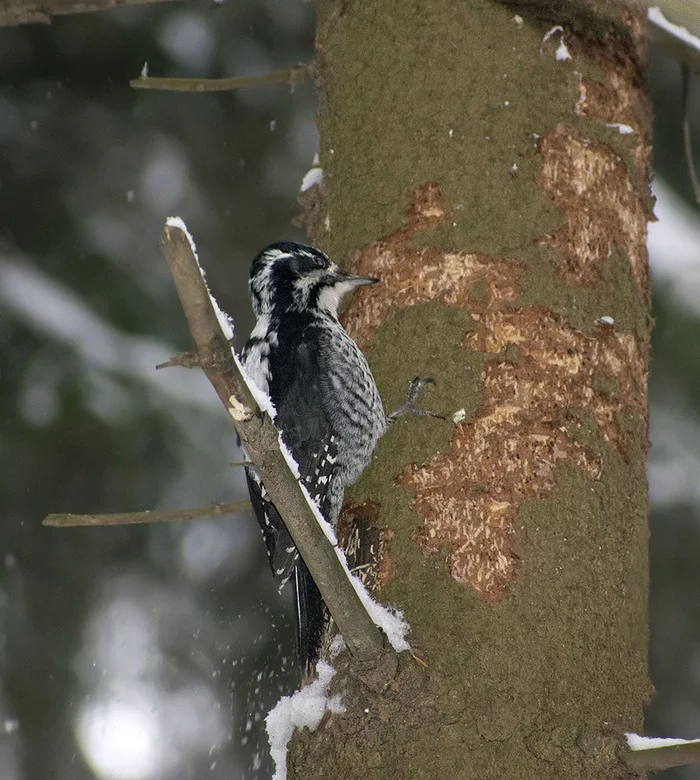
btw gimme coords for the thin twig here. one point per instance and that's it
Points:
(292, 76)
(155, 516)
(261, 441)
(687, 140)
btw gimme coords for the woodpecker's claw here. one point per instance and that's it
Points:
(415, 388)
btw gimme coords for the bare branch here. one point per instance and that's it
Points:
(292, 76)
(261, 440)
(33, 11)
(161, 516)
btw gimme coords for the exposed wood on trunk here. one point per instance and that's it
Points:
(501, 195)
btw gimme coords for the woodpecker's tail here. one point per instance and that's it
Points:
(310, 616)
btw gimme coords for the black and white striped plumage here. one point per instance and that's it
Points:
(327, 403)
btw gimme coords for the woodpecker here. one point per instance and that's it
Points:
(328, 408)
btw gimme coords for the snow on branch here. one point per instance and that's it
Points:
(649, 754)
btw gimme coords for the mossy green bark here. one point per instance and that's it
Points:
(543, 682)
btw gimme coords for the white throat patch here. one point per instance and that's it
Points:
(330, 297)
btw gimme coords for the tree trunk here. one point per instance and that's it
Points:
(496, 180)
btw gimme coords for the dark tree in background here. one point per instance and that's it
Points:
(154, 652)
(140, 651)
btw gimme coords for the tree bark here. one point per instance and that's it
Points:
(500, 191)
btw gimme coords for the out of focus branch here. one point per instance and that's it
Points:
(260, 438)
(687, 138)
(15, 12)
(292, 76)
(674, 27)
(160, 516)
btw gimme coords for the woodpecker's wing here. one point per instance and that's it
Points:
(281, 551)
(285, 561)
(295, 390)
(306, 429)
(302, 415)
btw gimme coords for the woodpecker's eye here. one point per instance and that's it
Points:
(318, 261)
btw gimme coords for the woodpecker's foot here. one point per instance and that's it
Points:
(415, 388)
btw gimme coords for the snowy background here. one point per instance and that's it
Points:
(153, 652)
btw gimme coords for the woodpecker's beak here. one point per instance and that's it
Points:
(357, 281)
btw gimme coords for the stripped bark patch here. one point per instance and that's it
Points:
(364, 543)
(610, 100)
(535, 368)
(411, 274)
(618, 95)
(469, 496)
(617, 98)
(562, 369)
(602, 208)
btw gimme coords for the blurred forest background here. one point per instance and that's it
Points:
(154, 652)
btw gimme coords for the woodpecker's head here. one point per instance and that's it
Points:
(295, 277)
